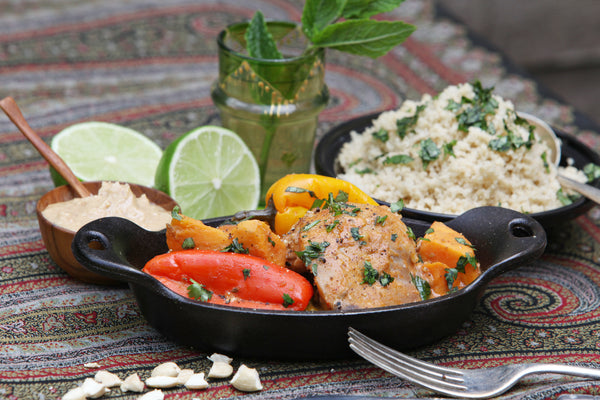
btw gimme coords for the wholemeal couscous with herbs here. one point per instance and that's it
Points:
(464, 148)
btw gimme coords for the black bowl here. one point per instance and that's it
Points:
(117, 248)
(327, 150)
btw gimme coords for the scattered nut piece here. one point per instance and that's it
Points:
(92, 365)
(108, 379)
(196, 381)
(166, 369)
(153, 395)
(93, 389)
(132, 383)
(220, 369)
(75, 394)
(184, 375)
(246, 379)
(216, 357)
(162, 382)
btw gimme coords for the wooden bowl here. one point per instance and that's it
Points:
(58, 240)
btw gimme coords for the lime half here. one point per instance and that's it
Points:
(210, 172)
(101, 151)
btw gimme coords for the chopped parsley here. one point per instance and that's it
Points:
(371, 276)
(311, 225)
(287, 300)
(410, 233)
(397, 206)
(429, 152)
(197, 291)
(380, 220)
(422, 286)
(246, 272)
(397, 159)
(381, 135)
(188, 243)
(313, 251)
(175, 213)
(354, 231)
(295, 189)
(405, 125)
(394, 237)
(331, 226)
(448, 148)
(591, 171)
(235, 247)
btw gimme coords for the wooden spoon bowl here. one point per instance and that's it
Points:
(58, 239)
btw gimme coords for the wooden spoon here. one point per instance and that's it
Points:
(10, 108)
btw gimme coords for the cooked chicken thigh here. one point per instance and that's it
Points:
(361, 256)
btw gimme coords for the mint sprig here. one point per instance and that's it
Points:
(344, 25)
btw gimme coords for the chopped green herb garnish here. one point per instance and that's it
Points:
(311, 225)
(313, 251)
(364, 171)
(591, 171)
(422, 286)
(197, 291)
(430, 230)
(246, 272)
(545, 160)
(404, 125)
(380, 220)
(188, 243)
(331, 226)
(397, 159)
(451, 275)
(235, 247)
(464, 242)
(476, 110)
(429, 152)
(464, 260)
(271, 241)
(287, 300)
(176, 213)
(394, 237)
(381, 135)
(385, 279)
(448, 148)
(370, 274)
(410, 233)
(397, 206)
(294, 189)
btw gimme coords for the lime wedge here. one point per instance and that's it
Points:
(210, 172)
(101, 151)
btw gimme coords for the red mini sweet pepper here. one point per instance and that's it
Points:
(234, 279)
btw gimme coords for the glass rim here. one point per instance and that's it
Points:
(221, 42)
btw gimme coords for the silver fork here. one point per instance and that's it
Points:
(462, 383)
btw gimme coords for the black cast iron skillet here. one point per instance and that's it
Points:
(117, 248)
(326, 154)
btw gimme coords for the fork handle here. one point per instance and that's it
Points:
(563, 369)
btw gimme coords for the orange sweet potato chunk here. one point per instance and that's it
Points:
(441, 249)
(259, 239)
(254, 235)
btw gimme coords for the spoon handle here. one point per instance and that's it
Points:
(10, 108)
(589, 191)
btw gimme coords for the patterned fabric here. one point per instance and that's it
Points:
(149, 65)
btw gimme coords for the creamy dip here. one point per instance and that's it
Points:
(113, 200)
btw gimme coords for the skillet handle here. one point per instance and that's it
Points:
(118, 248)
(510, 238)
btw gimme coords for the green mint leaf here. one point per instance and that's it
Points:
(368, 8)
(317, 14)
(364, 37)
(259, 41)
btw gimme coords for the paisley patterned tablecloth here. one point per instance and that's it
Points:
(149, 64)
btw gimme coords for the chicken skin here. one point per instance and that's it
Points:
(361, 256)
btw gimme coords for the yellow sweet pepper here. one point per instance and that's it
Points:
(294, 194)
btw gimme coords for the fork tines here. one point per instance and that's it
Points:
(423, 373)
